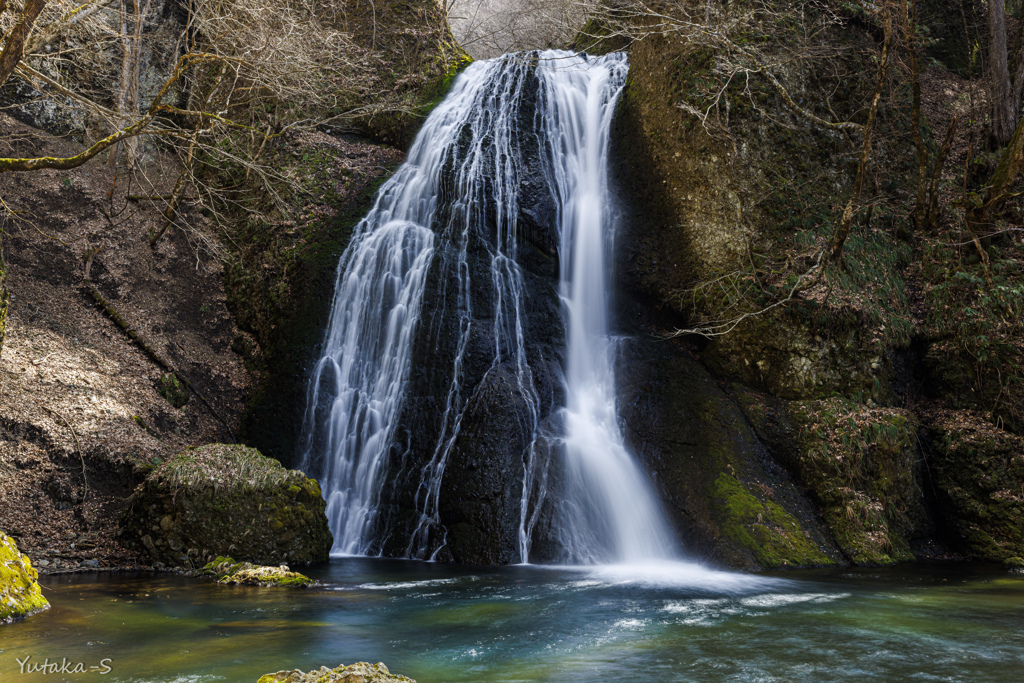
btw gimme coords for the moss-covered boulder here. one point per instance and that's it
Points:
(730, 501)
(860, 465)
(978, 477)
(227, 500)
(361, 672)
(226, 570)
(20, 595)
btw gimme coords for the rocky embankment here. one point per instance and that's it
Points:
(868, 419)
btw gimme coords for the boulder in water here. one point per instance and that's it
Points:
(227, 500)
(360, 672)
(20, 595)
(226, 570)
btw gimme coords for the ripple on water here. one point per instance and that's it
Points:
(783, 599)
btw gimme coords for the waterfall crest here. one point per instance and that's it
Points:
(452, 221)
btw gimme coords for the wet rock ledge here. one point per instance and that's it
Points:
(20, 595)
(227, 500)
(226, 570)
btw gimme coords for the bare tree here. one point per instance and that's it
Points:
(16, 37)
(488, 28)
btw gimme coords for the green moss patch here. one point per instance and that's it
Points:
(763, 526)
(226, 570)
(20, 594)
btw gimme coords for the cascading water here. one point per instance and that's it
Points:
(454, 205)
(609, 513)
(467, 152)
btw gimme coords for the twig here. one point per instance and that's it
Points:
(78, 448)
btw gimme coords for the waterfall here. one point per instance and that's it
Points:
(452, 214)
(609, 513)
(466, 152)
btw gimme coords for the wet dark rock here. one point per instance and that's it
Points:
(729, 501)
(479, 499)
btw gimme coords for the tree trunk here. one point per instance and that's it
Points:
(1001, 91)
(15, 46)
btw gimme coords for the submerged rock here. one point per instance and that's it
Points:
(20, 594)
(226, 570)
(360, 672)
(227, 500)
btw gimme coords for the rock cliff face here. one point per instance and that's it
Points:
(227, 500)
(855, 412)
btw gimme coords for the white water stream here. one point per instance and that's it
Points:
(610, 513)
(472, 142)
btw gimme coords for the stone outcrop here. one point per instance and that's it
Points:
(729, 500)
(360, 672)
(978, 471)
(830, 384)
(227, 500)
(20, 594)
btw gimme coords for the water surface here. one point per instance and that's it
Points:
(445, 624)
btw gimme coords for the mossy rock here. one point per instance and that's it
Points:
(225, 570)
(227, 500)
(978, 476)
(20, 594)
(860, 465)
(360, 672)
(729, 500)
